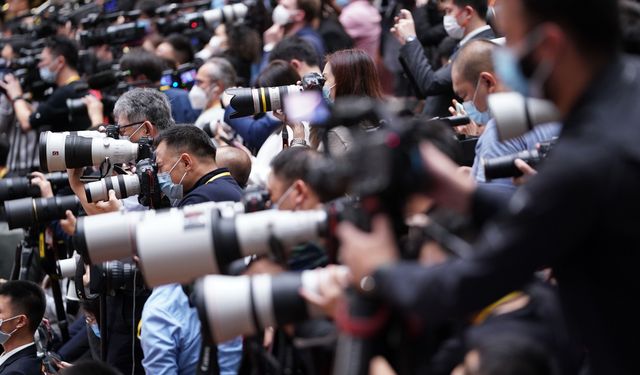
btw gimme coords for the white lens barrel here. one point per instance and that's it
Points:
(290, 228)
(117, 150)
(123, 185)
(67, 267)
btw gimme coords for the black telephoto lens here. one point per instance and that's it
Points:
(23, 213)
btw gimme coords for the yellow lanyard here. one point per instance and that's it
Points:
(484, 314)
(223, 174)
(72, 79)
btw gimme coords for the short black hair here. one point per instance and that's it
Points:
(140, 61)
(26, 298)
(277, 73)
(90, 367)
(511, 353)
(63, 46)
(602, 40)
(182, 45)
(190, 139)
(297, 48)
(481, 6)
(293, 164)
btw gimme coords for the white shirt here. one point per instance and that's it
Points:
(6, 355)
(474, 33)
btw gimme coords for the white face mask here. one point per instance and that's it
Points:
(452, 27)
(215, 43)
(281, 16)
(198, 97)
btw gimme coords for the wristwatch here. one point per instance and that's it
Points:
(300, 142)
(410, 39)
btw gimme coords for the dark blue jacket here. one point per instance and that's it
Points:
(221, 189)
(181, 110)
(254, 130)
(24, 362)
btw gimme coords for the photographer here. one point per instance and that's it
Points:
(464, 20)
(58, 65)
(579, 206)
(22, 306)
(474, 79)
(138, 113)
(213, 77)
(170, 328)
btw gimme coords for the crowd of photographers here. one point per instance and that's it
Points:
(319, 186)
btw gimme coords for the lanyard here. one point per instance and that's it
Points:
(223, 174)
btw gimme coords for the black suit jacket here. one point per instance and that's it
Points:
(24, 362)
(435, 85)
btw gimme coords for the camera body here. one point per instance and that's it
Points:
(504, 166)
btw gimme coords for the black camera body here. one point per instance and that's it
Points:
(505, 167)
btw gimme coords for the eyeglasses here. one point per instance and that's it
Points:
(121, 127)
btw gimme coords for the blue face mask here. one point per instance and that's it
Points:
(342, 3)
(47, 75)
(480, 118)
(506, 63)
(507, 67)
(170, 189)
(96, 329)
(326, 93)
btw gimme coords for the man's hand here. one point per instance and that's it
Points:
(449, 188)
(365, 252)
(273, 35)
(95, 108)
(333, 280)
(68, 225)
(527, 172)
(404, 26)
(12, 86)
(112, 205)
(471, 129)
(41, 182)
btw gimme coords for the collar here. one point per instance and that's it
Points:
(473, 34)
(72, 79)
(210, 177)
(6, 355)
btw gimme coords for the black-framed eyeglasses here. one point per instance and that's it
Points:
(121, 127)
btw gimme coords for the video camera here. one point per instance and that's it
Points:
(60, 151)
(248, 101)
(183, 77)
(20, 187)
(129, 34)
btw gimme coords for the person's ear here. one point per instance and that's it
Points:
(489, 80)
(301, 192)
(552, 44)
(22, 321)
(299, 16)
(188, 161)
(147, 128)
(295, 64)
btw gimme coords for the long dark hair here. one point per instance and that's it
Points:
(355, 74)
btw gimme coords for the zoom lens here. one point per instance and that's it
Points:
(123, 185)
(23, 213)
(246, 101)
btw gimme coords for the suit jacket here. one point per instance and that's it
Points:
(24, 362)
(435, 85)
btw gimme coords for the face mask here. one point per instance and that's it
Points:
(326, 92)
(480, 118)
(4, 337)
(48, 75)
(342, 3)
(283, 197)
(452, 27)
(96, 329)
(128, 137)
(198, 97)
(146, 23)
(281, 16)
(170, 189)
(507, 65)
